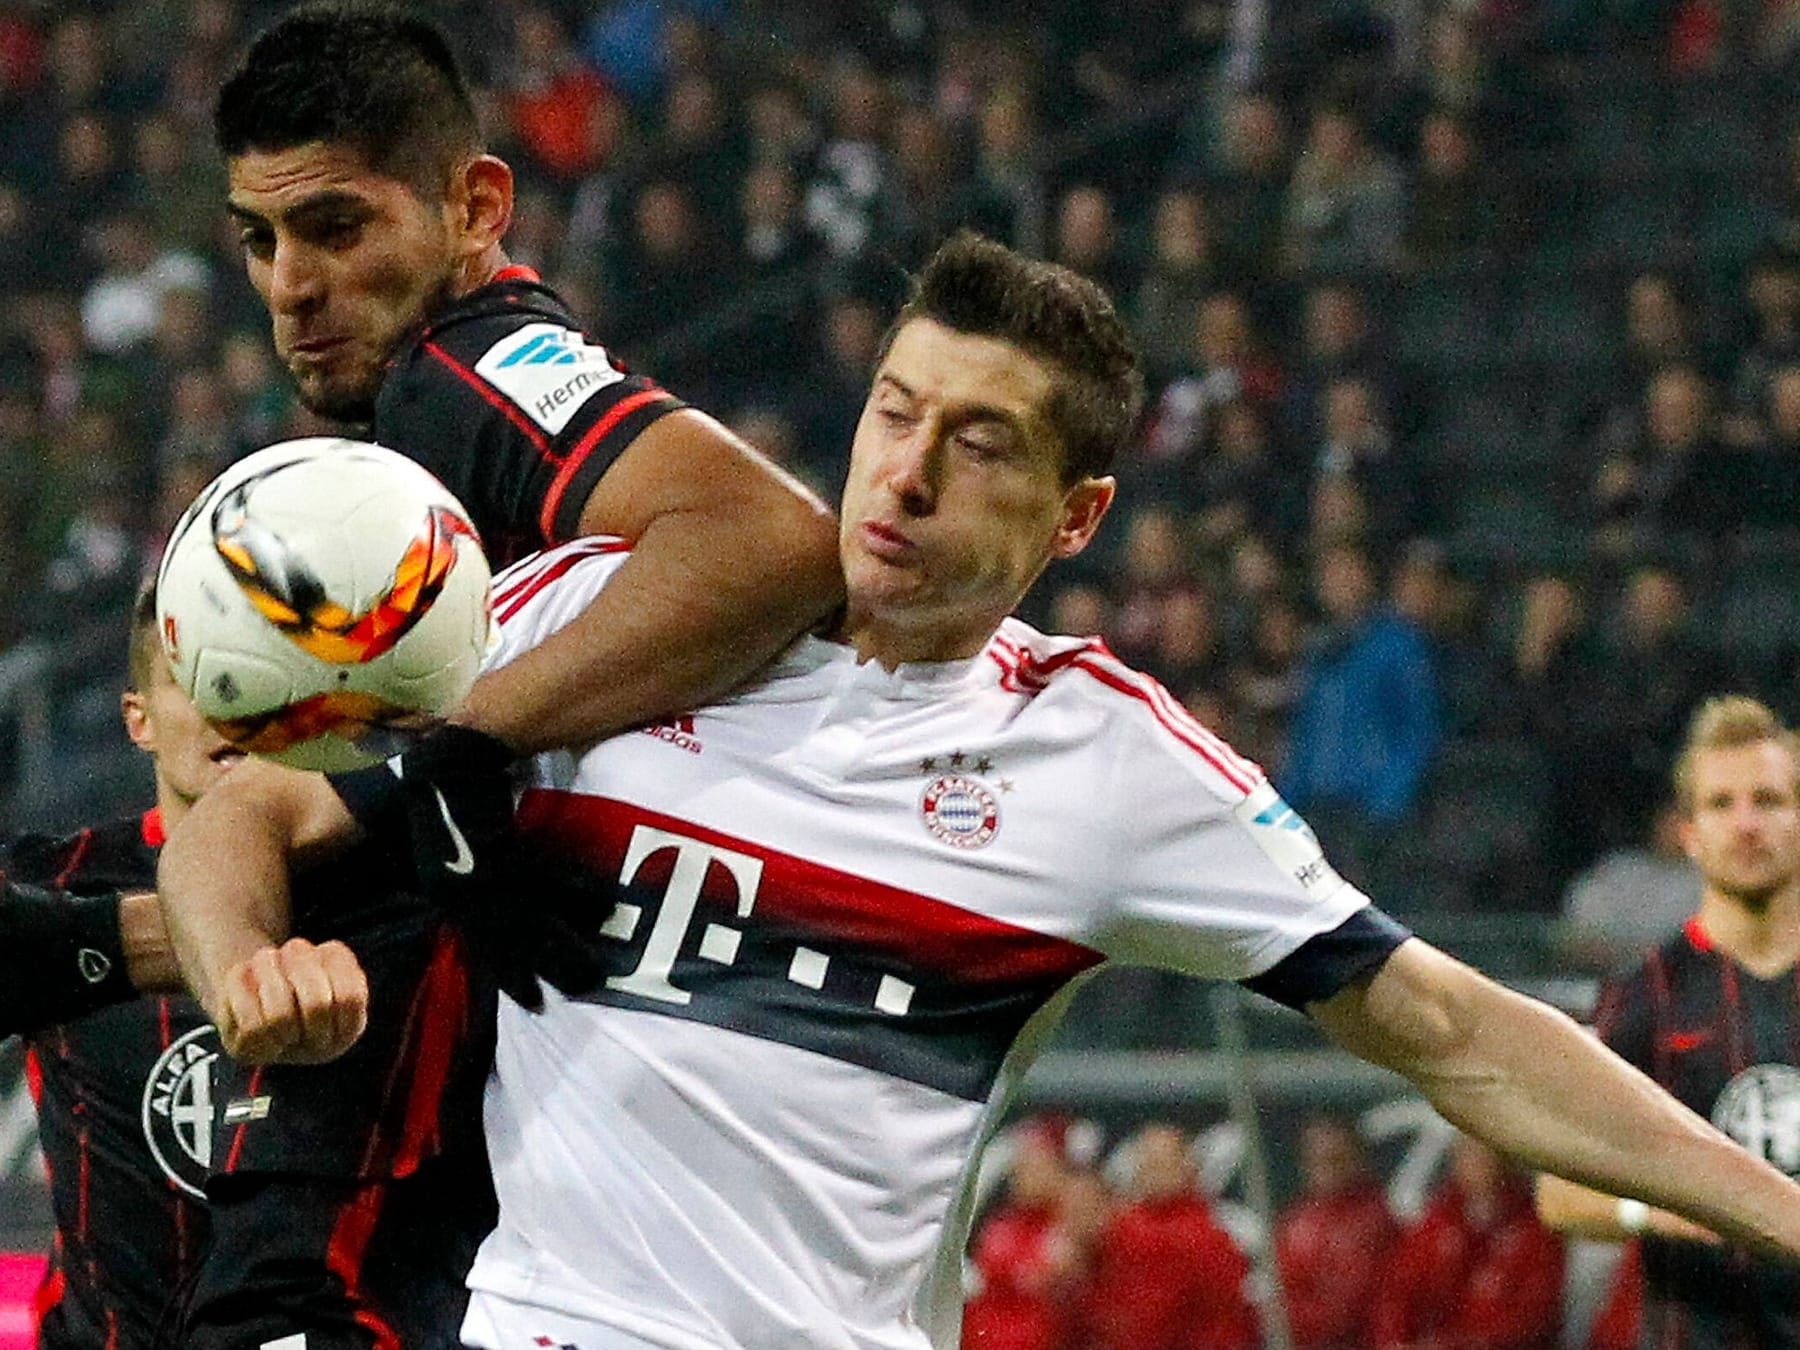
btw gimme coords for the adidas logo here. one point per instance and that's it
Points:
(677, 731)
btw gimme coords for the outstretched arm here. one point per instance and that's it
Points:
(1530, 1082)
(732, 559)
(223, 881)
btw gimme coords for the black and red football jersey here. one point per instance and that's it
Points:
(125, 1117)
(349, 1198)
(515, 408)
(1727, 1044)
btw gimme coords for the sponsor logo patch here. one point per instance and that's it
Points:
(549, 371)
(177, 1111)
(960, 811)
(1287, 840)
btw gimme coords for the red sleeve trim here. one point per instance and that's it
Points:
(152, 828)
(585, 447)
(516, 272)
(526, 426)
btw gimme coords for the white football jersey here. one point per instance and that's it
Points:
(854, 902)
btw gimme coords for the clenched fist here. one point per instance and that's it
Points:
(299, 1003)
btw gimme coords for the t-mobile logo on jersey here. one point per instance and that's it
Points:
(719, 942)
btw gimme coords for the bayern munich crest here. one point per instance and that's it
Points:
(960, 811)
(178, 1108)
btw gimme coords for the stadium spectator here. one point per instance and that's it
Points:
(1631, 899)
(1334, 1241)
(1771, 344)
(1426, 591)
(1248, 182)
(1477, 1271)
(1632, 495)
(1085, 237)
(1227, 359)
(1711, 1012)
(1183, 269)
(1026, 1265)
(565, 116)
(1346, 202)
(1164, 1275)
(847, 192)
(1366, 720)
(1639, 682)
(1449, 217)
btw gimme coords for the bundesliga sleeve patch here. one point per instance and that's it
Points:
(1287, 840)
(549, 371)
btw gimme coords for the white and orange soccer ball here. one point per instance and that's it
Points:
(318, 593)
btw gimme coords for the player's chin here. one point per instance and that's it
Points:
(338, 397)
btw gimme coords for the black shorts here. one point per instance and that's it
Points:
(348, 1264)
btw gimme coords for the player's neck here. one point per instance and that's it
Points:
(481, 269)
(1765, 940)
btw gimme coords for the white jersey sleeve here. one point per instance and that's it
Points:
(1216, 875)
(543, 592)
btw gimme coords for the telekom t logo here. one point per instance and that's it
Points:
(718, 942)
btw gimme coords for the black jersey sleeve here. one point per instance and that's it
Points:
(1625, 1016)
(1325, 964)
(60, 956)
(519, 413)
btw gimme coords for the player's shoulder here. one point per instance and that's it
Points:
(108, 856)
(1129, 712)
(543, 590)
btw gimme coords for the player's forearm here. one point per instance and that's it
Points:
(223, 875)
(1530, 1082)
(1581, 1211)
(144, 938)
(707, 597)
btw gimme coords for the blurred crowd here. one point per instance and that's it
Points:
(1135, 1255)
(1409, 557)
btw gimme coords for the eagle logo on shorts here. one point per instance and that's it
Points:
(960, 811)
(178, 1108)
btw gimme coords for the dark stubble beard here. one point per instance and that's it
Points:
(355, 403)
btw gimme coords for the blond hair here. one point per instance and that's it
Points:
(1729, 723)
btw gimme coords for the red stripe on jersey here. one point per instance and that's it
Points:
(1697, 934)
(443, 1004)
(50, 1292)
(1025, 674)
(507, 407)
(76, 854)
(34, 1076)
(528, 574)
(585, 447)
(237, 1140)
(1239, 772)
(517, 597)
(151, 828)
(923, 931)
(344, 1258)
(515, 272)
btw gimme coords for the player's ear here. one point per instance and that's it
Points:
(1084, 506)
(136, 711)
(481, 201)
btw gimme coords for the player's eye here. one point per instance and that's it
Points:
(257, 241)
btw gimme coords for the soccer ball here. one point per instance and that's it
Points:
(318, 592)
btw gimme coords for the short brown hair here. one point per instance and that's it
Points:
(145, 649)
(974, 285)
(1729, 723)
